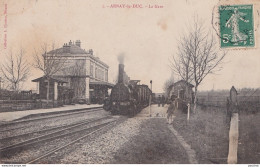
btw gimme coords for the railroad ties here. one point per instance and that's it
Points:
(33, 146)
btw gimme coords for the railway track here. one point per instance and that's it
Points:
(49, 131)
(61, 138)
(69, 144)
(41, 118)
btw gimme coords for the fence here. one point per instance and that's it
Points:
(26, 100)
(18, 105)
(245, 103)
(217, 101)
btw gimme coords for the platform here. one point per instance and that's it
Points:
(14, 115)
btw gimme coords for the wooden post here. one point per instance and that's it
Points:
(178, 99)
(233, 130)
(188, 115)
(233, 140)
(150, 99)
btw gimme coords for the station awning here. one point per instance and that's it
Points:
(43, 78)
(109, 85)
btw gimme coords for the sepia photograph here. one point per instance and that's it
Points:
(129, 82)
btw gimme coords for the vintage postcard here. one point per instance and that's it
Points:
(129, 82)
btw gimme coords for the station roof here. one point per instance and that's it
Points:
(76, 50)
(73, 49)
(183, 82)
(51, 78)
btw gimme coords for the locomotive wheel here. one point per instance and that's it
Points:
(133, 110)
(113, 111)
(107, 108)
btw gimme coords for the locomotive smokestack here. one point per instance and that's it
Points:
(121, 73)
(121, 67)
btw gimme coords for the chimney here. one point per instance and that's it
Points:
(90, 51)
(66, 48)
(70, 43)
(121, 73)
(77, 43)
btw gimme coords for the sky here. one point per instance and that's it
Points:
(146, 36)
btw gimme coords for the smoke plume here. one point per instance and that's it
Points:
(121, 58)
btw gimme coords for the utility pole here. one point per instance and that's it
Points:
(150, 101)
(0, 83)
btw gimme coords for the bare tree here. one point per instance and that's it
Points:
(206, 57)
(48, 62)
(181, 62)
(167, 86)
(198, 56)
(15, 70)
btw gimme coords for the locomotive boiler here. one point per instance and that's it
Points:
(127, 98)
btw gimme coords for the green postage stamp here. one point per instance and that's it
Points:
(236, 26)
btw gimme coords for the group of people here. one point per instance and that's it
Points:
(161, 100)
(171, 109)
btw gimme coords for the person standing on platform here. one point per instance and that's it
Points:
(159, 101)
(163, 100)
(170, 111)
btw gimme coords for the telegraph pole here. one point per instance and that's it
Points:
(0, 87)
(150, 101)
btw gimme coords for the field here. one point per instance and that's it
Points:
(206, 132)
(249, 138)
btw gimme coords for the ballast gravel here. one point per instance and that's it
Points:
(105, 146)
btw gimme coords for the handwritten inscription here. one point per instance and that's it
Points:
(133, 6)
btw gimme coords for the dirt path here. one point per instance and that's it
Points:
(190, 152)
(155, 143)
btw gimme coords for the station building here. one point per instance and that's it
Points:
(82, 72)
(182, 90)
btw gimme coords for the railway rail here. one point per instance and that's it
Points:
(69, 144)
(63, 134)
(41, 118)
(51, 131)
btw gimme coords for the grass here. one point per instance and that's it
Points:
(206, 132)
(249, 138)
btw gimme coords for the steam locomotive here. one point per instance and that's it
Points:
(127, 99)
